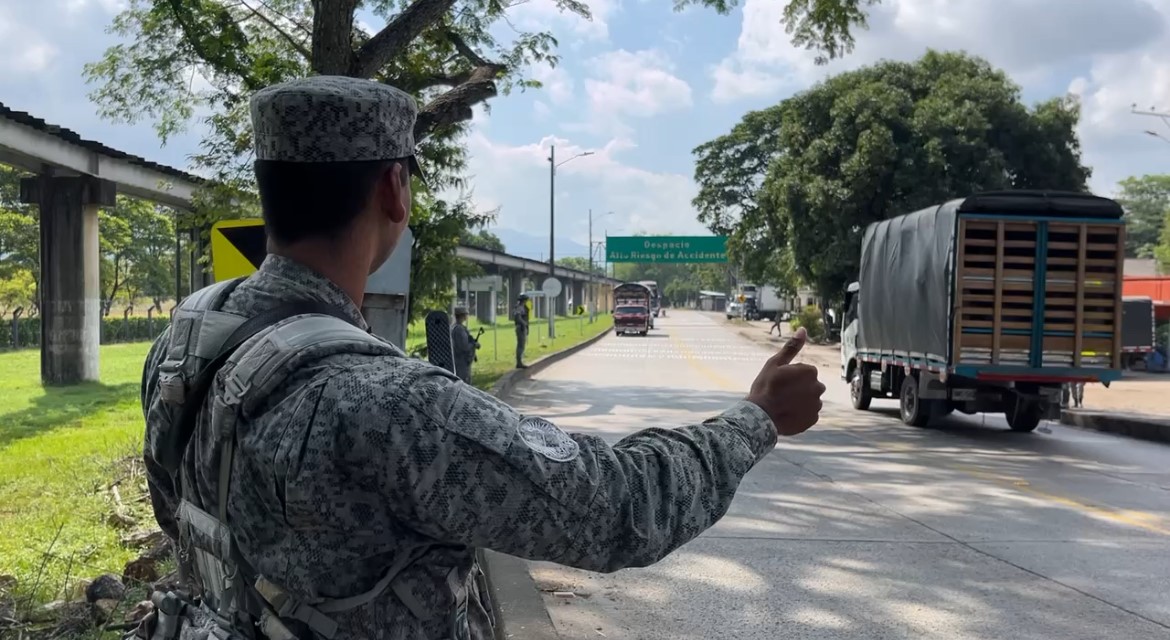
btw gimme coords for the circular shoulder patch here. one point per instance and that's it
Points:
(548, 440)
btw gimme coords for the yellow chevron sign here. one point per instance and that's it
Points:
(237, 247)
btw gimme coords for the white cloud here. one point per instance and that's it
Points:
(23, 49)
(558, 86)
(541, 110)
(624, 84)
(543, 15)
(640, 83)
(1119, 44)
(109, 6)
(515, 178)
(1024, 37)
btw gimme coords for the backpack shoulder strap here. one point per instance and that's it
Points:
(189, 416)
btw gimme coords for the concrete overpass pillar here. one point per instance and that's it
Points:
(515, 286)
(578, 295)
(70, 291)
(562, 308)
(485, 306)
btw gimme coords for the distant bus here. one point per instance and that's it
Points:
(655, 298)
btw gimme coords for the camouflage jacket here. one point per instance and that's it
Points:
(357, 460)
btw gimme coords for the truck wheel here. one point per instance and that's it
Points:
(915, 411)
(1023, 419)
(859, 391)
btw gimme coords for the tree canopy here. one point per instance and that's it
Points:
(1146, 200)
(181, 58)
(795, 185)
(482, 239)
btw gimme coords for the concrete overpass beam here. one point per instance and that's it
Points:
(70, 291)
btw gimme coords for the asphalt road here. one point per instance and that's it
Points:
(864, 527)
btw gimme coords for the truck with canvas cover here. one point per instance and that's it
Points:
(987, 304)
(632, 309)
(1137, 330)
(655, 299)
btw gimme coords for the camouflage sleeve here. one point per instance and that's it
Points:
(461, 466)
(163, 497)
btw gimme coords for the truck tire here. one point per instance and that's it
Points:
(1023, 420)
(914, 410)
(859, 392)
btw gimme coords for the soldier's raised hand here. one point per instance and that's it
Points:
(789, 393)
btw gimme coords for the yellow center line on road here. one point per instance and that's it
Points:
(1140, 519)
(707, 372)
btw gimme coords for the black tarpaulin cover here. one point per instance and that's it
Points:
(906, 266)
(905, 283)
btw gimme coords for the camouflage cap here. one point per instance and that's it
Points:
(334, 119)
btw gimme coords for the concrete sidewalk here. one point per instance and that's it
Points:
(1135, 425)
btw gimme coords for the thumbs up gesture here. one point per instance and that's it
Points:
(789, 393)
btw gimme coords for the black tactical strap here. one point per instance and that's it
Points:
(188, 421)
(193, 402)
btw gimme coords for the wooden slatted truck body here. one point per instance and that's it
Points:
(987, 304)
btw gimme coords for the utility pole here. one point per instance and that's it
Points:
(592, 286)
(552, 222)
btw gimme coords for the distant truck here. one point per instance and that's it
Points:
(987, 304)
(1137, 330)
(764, 302)
(632, 310)
(655, 298)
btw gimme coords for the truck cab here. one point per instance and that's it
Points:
(849, 329)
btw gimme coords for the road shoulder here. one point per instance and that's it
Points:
(518, 605)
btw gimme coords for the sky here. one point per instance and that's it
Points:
(641, 85)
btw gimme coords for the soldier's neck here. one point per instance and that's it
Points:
(343, 268)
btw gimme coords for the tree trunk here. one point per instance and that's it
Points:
(16, 327)
(333, 53)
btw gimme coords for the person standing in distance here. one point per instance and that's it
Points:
(367, 471)
(520, 318)
(463, 345)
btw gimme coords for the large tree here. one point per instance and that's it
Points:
(1146, 201)
(137, 253)
(1162, 250)
(184, 56)
(869, 144)
(180, 58)
(19, 232)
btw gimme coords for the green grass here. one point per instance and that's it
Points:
(61, 448)
(497, 353)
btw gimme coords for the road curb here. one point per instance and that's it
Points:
(517, 604)
(1136, 426)
(504, 385)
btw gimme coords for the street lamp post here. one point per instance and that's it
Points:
(1158, 136)
(552, 263)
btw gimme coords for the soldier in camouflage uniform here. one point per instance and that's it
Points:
(358, 467)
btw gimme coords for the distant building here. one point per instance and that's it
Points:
(1143, 268)
(712, 301)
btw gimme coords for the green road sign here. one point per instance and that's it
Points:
(666, 249)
